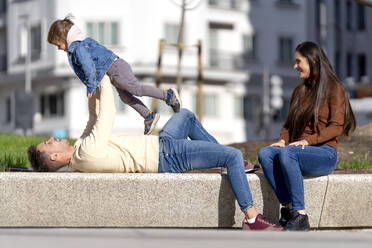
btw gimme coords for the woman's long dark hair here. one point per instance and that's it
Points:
(313, 92)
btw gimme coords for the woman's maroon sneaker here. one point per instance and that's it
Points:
(261, 224)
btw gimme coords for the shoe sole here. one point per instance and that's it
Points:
(153, 125)
(178, 97)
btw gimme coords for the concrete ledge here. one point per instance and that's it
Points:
(168, 200)
(348, 202)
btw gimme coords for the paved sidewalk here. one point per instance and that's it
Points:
(188, 238)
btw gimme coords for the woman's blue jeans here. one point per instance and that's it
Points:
(284, 168)
(178, 154)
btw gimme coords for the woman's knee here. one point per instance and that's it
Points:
(288, 156)
(287, 151)
(266, 153)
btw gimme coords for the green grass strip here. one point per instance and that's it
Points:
(13, 149)
(357, 163)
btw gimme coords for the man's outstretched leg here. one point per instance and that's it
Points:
(181, 155)
(185, 124)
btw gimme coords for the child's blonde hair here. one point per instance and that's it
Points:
(59, 29)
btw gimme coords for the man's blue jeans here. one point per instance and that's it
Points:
(178, 154)
(284, 168)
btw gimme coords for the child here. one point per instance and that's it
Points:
(91, 61)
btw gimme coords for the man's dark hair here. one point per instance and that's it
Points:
(37, 159)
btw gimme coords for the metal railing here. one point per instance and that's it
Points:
(226, 4)
(226, 60)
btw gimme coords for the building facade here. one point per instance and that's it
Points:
(343, 28)
(239, 39)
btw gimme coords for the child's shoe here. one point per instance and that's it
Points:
(150, 122)
(173, 99)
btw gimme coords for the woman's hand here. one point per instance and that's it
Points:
(302, 143)
(89, 95)
(280, 143)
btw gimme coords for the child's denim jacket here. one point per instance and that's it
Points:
(90, 61)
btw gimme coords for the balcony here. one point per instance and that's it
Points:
(287, 4)
(226, 60)
(227, 4)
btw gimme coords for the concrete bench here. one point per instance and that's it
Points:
(169, 200)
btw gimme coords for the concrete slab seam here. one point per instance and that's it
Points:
(324, 198)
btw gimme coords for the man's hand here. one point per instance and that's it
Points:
(302, 143)
(280, 143)
(89, 95)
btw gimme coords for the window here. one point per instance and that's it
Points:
(349, 65)
(171, 33)
(249, 46)
(52, 105)
(101, 33)
(220, 26)
(3, 57)
(252, 107)
(23, 42)
(219, 56)
(285, 50)
(213, 39)
(287, 4)
(362, 66)
(90, 29)
(114, 33)
(35, 42)
(106, 33)
(213, 2)
(3, 62)
(349, 15)
(337, 12)
(35, 36)
(210, 105)
(234, 4)
(3, 6)
(227, 4)
(338, 21)
(8, 110)
(361, 17)
(238, 107)
(338, 63)
(283, 112)
(321, 20)
(213, 47)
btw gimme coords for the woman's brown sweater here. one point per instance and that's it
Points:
(330, 121)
